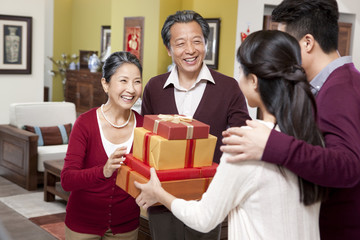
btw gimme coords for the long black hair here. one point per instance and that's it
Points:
(275, 58)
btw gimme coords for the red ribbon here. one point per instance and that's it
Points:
(146, 146)
(189, 154)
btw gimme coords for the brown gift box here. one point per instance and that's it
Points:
(163, 154)
(175, 127)
(188, 189)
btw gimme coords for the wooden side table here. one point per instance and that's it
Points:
(51, 177)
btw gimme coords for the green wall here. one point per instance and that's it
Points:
(77, 26)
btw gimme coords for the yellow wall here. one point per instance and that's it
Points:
(227, 12)
(77, 26)
(62, 39)
(87, 18)
(138, 8)
(166, 8)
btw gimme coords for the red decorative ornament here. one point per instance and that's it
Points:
(244, 35)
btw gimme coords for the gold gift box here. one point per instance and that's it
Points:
(163, 154)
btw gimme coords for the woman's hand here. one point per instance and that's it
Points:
(114, 162)
(149, 191)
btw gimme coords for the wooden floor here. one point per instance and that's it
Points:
(13, 226)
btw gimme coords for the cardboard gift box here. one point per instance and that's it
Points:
(172, 174)
(188, 189)
(163, 154)
(176, 127)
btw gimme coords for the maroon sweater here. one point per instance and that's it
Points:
(222, 105)
(95, 203)
(337, 165)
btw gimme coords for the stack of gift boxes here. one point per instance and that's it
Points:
(181, 151)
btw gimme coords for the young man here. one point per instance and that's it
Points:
(336, 84)
(191, 89)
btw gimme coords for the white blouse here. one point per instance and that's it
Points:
(260, 202)
(111, 147)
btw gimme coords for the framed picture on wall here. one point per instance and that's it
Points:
(15, 44)
(105, 40)
(212, 53)
(134, 36)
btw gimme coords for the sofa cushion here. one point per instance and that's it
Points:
(54, 135)
(42, 114)
(53, 152)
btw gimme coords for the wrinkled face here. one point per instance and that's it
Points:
(125, 86)
(187, 46)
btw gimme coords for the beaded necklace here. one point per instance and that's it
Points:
(112, 124)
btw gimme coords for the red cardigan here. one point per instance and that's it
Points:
(95, 203)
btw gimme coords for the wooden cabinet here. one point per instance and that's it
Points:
(343, 39)
(84, 89)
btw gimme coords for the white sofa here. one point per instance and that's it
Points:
(21, 159)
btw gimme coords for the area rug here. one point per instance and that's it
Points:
(33, 205)
(49, 216)
(54, 224)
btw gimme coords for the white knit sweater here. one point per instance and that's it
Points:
(260, 202)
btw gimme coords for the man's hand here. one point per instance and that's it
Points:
(245, 143)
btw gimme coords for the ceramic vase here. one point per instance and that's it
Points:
(94, 63)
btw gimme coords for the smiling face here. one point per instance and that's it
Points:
(125, 86)
(187, 47)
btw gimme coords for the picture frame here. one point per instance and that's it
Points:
(15, 44)
(212, 52)
(84, 58)
(105, 39)
(134, 36)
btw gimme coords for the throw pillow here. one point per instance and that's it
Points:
(54, 135)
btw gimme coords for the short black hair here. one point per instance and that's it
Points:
(316, 17)
(184, 16)
(115, 60)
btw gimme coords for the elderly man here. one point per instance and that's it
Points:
(194, 90)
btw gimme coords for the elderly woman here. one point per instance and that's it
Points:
(97, 208)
